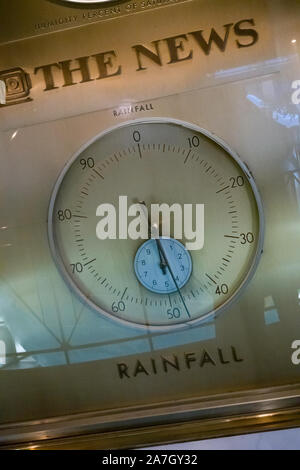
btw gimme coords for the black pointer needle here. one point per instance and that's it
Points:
(162, 263)
(159, 244)
(154, 233)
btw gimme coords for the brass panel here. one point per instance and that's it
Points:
(61, 385)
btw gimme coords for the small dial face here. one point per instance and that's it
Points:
(151, 269)
(159, 162)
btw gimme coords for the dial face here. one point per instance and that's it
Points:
(157, 161)
(152, 271)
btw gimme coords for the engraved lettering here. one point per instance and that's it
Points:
(48, 75)
(189, 357)
(235, 355)
(123, 370)
(132, 109)
(176, 44)
(166, 362)
(153, 366)
(221, 357)
(105, 62)
(214, 37)
(139, 368)
(246, 32)
(206, 359)
(142, 50)
(68, 72)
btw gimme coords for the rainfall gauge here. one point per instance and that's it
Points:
(136, 305)
(157, 282)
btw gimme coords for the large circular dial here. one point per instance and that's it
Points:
(156, 282)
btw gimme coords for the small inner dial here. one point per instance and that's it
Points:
(152, 270)
(157, 282)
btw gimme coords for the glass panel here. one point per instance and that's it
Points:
(230, 68)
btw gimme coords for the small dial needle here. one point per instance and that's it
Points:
(162, 264)
(172, 275)
(154, 233)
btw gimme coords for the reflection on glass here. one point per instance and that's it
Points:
(293, 174)
(270, 311)
(14, 134)
(2, 353)
(280, 114)
(7, 346)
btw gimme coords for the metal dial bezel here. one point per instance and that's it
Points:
(211, 315)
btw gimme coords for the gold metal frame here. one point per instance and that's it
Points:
(247, 411)
(215, 416)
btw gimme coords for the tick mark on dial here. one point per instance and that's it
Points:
(210, 278)
(186, 158)
(226, 187)
(140, 152)
(90, 261)
(97, 173)
(124, 293)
